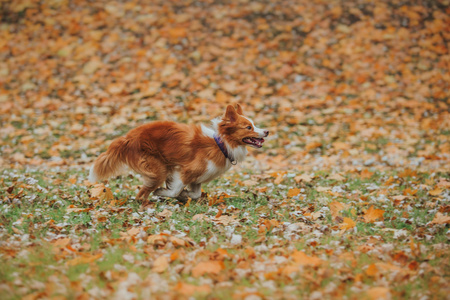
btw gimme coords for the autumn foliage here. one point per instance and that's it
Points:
(349, 197)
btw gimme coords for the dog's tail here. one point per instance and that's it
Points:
(109, 163)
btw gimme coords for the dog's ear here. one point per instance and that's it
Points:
(239, 109)
(231, 114)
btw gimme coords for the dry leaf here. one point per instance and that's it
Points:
(84, 258)
(207, 267)
(188, 290)
(160, 264)
(347, 224)
(165, 213)
(101, 192)
(440, 218)
(303, 259)
(303, 177)
(336, 207)
(435, 192)
(293, 192)
(373, 214)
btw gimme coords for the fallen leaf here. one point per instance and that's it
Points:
(207, 267)
(165, 213)
(303, 177)
(101, 192)
(336, 207)
(373, 214)
(188, 290)
(84, 258)
(303, 259)
(160, 264)
(293, 192)
(347, 224)
(435, 192)
(440, 218)
(379, 293)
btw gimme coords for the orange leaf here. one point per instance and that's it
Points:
(293, 192)
(378, 293)
(372, 270)
(435, 192)
(347, 224)
(85, 259)
(336, 207)
(366, 174)
(189, 289)
(207, 267)
(160, 264)
(373, 214)
(303, 259)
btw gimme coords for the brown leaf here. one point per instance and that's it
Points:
(165, 213)
(101, 192)
(440, 218)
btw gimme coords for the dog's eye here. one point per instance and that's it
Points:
(249, 127)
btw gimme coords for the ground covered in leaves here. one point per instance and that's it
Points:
(349, 196)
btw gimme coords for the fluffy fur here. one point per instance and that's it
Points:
(179, 155)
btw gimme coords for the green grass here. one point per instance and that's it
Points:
(35, 213)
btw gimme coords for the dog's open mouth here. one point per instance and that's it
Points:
(254, 142)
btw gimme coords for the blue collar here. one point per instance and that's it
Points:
(224, 150)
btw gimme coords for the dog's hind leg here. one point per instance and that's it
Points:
(154, 174)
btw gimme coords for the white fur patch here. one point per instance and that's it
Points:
(209, 132)
(213, 171)
(237, 153)
(259, 131)
(92, 176)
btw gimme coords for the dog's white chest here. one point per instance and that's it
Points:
(213, 171)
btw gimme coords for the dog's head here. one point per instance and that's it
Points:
(239, 130)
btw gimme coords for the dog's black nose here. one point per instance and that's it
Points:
(266, 133)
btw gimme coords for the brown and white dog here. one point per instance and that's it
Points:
(180, 155)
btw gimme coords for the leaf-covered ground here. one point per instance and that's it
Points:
(349, 198)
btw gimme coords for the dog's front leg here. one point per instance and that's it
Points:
(194, 192)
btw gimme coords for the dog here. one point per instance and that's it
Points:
(180, 155)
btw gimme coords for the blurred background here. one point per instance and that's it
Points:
(343, 85)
